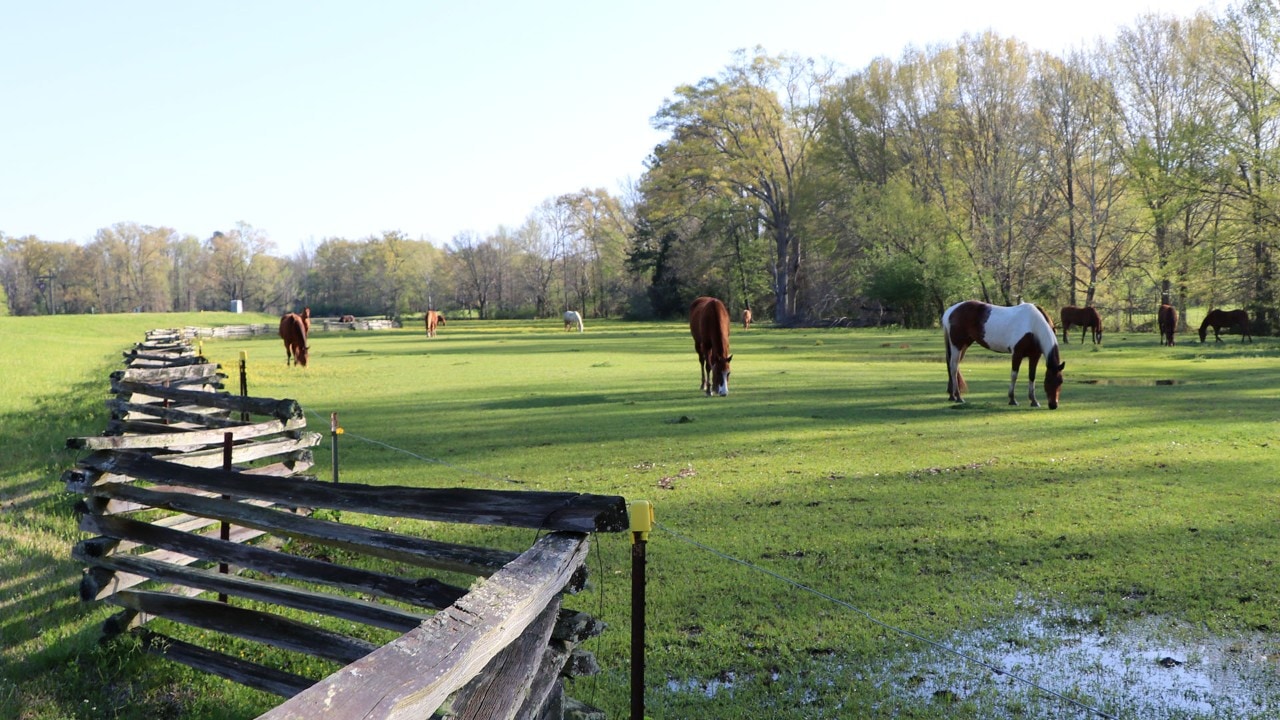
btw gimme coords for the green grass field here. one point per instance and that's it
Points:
(836, 463)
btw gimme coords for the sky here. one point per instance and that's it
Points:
(314, 120)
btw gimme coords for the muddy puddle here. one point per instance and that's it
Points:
(1129, 382)
(1155, 669)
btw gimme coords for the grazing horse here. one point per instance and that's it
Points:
(572, 318)
(709, 324)
(306, 320)
(434, 319)
(1168, 319)
(1086, 317)
(1023, 330)
(1218, 319)
(347, 319)
(293, 330)
(746, 319)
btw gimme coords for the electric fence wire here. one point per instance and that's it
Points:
(423, 458)
(876, 621)
(782, 578)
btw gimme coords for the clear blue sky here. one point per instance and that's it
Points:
(310, 120)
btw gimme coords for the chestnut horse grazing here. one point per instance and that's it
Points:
(433, 320)
(1086, 317)
(293, 330)
(572, 318)
(709, 324)
(1023, 330)
(1168, 319)
(306, 320)
(1218, 319)
(746, 319)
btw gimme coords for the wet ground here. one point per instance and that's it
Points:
(1152, 669)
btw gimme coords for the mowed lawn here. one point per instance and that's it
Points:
(835, 482)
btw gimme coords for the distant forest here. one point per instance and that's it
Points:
(1139, 171)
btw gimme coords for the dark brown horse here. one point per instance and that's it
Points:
(1086, 317)
(1023, 330)
(293, 330)
(709, 324)
(1230, 319)
(1168, 318)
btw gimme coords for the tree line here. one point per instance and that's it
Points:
(1137, 171)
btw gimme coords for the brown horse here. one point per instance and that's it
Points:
(347, 319)
(709, 324)
(1023, 330)
(746, 319)
(1168, 319)
(1086, 317)
(1230, 319)
(433, 320)
(293, 330)
(306, 320)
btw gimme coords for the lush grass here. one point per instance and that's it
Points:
(835, 461)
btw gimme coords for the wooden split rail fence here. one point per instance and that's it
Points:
(234, 332)
(190, 486)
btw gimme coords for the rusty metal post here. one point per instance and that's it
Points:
(334, 431)
(641, 524)
(225, 529)
(244, 383)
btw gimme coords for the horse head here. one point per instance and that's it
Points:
(720, 375)
(1053, 381)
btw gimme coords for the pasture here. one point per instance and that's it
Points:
(836, 463)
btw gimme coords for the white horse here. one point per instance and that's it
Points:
(571, 318)
(1023, 330)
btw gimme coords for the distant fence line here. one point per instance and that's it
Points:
(242, 331)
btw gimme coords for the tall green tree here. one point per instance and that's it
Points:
(748, 136)
(1245, 63)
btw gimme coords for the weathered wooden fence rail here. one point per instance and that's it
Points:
(191, 487)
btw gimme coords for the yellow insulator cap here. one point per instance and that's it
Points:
(641, 519)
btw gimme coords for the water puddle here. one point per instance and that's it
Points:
(709, 688)
(1129, 382)
(1151, 668)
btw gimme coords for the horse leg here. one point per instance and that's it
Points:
(1031, 381)
(1013, 378)
(954, 356)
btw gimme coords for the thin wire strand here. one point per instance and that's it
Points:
(423, 458)
(871, 618)
(782, 578)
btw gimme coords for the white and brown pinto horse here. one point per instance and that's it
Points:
(709, 324)
(1023, 330)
